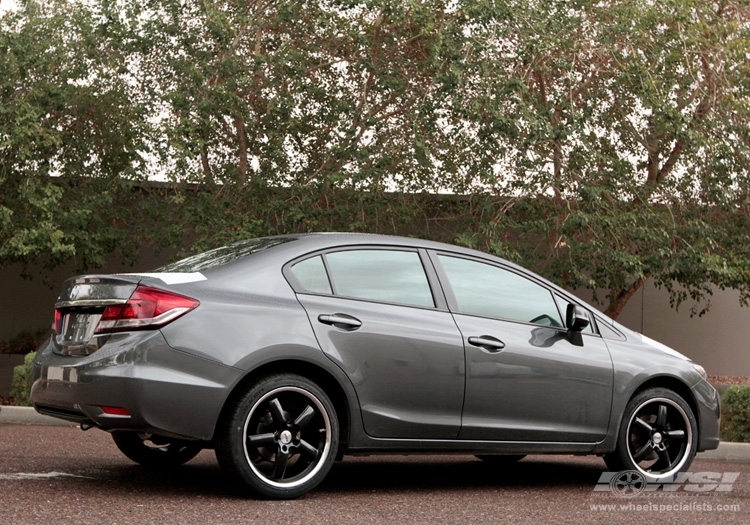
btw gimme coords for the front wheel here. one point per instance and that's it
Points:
(155, 451)
(658, 436)
(281, 437)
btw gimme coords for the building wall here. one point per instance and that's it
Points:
(719, 340)
(28, 304)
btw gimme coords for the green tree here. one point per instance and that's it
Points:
(297, 116)
(623, 155)
(338, 94)
(601, 143)
(72, 134)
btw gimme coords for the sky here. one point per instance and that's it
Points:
(6, 4)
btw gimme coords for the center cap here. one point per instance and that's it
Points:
(285, 437)
(657, 438)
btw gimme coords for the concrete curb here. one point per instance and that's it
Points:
(28, 416)
(727, 451)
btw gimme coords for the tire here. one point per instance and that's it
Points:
(155, 451)
(658, 436)
(501, 459)
(281, 437)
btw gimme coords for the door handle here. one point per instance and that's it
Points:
(343, 321)
(487, 343)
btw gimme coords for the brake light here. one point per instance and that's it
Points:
(57, 323)
(147, 308)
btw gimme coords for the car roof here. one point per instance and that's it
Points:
(312, 242)
(301, 244)
(323, 240)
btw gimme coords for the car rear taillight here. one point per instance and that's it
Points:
(147, 308)
(57, 323)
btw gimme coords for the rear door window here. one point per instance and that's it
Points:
(388, 276)
(380, 275)
(311, 273)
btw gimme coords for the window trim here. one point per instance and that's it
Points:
(599, 319)
(433, 283)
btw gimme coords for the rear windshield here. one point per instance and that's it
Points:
(224, 255)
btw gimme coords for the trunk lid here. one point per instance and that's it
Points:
(79, 309)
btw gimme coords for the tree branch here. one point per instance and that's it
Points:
(618, 302)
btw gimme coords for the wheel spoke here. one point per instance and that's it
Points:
(305, 417)
(645, 426)
(643, 452)
(308, 449)
(289, 437)
(664, 460)
(659, 435)
(675, 435)
(279, 467)
(261, 440)
(277, 411)
(661, 419)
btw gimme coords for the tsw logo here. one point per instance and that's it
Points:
(630, 483)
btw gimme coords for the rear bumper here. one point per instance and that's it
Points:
(165, 391)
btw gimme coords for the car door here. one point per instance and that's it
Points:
(374, 314)
(525, 381)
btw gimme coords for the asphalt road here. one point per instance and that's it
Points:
(51, 475)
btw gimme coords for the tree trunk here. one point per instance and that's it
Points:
(621, 297)
(239, 125)
(207, 175)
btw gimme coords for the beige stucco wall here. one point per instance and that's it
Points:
(28, 304)
(720, 340)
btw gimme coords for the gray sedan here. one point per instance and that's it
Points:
(286, 353)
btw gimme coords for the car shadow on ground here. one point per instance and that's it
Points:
(362, 475)
(438, 473)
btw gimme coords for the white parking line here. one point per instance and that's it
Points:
(39, 475)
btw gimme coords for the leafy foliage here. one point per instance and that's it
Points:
(735, 414)
(20, 387)
(600, 143)
(25, 342)
(629, 139)
(71, 135)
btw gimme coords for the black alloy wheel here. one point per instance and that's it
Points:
(282, 438)
(657, 437)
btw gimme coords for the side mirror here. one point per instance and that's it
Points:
(576, 319)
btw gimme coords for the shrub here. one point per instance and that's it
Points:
(735, 414)
(20, 388)
(24, 342)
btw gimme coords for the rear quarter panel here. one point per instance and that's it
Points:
(250, 317)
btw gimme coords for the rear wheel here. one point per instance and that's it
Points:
(281, 438)
(658, 436)
(155, 451)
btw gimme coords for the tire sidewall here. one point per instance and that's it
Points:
(236, 436)
(622, 454)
